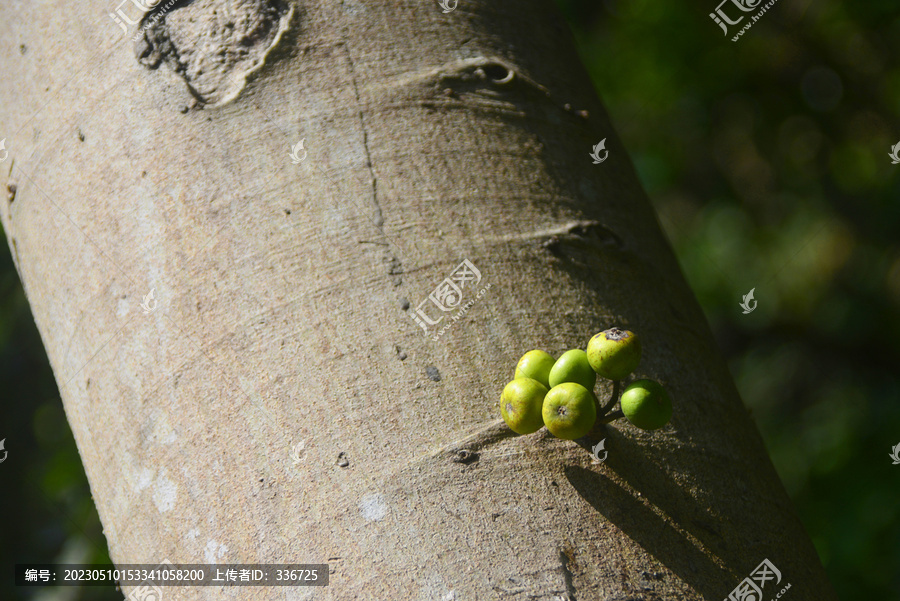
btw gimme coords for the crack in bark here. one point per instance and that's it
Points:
(395, 266)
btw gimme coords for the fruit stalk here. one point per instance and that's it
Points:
(601, 411)
(611, 417)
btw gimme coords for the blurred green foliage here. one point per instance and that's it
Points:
(766, 159)
(47, 514)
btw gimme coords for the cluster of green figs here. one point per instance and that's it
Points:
(558, 393)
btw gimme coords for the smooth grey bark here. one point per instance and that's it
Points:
(285, 293)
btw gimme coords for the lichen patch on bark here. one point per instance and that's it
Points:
(213, 45)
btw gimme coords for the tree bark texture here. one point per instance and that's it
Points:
(279, 403)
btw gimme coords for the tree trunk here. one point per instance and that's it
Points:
(276, 401)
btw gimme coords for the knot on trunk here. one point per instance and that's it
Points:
(213, 45)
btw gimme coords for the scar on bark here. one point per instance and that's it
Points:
(214, 47)
(583, 232)
(465, 450)
(481, 74)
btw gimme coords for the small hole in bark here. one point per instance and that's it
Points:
(464, 456)
(498, 73)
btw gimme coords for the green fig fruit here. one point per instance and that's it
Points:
(573, 366)
(536, 365)
(521, 404)
(646, 404)
(614, 353)
(569, 410)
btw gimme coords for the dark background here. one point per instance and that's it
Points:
(767, 160)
